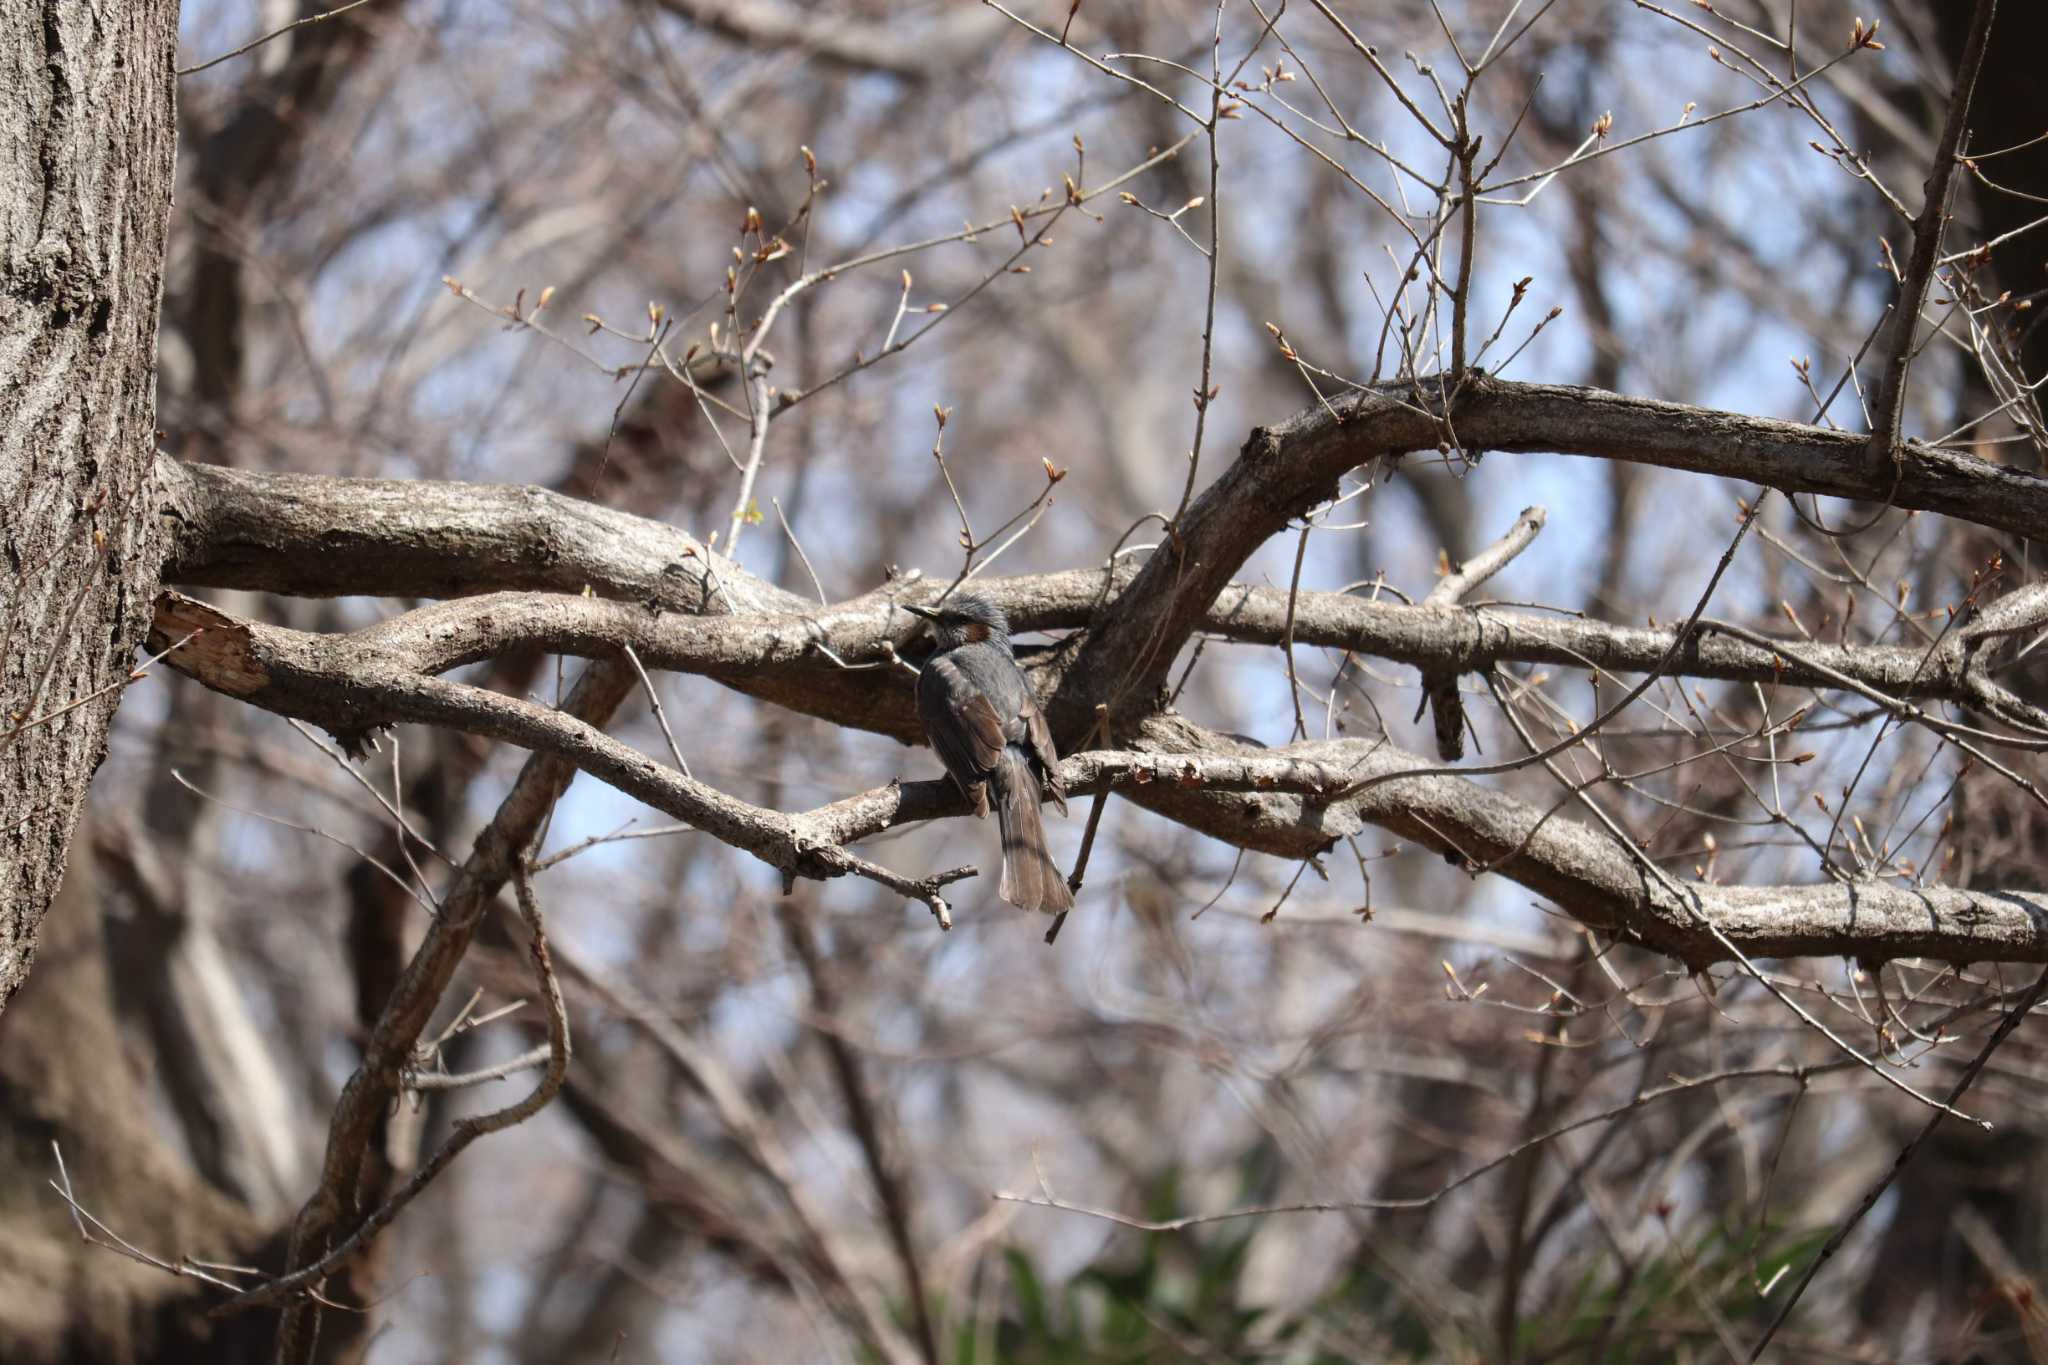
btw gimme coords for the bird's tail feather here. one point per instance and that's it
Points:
(1031, 880)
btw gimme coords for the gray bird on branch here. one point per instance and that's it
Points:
(980, 716)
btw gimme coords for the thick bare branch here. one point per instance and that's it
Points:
(311, 536)
(315, 536)
(1285, 470)
(326, 537)
(353, 691)
(1285, 801)
(1591, 878)
(940, 45)
(801, 659)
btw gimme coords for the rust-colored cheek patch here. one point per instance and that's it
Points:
(976, 632)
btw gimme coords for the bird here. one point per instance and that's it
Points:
(981, 718)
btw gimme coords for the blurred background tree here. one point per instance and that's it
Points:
(518, 242)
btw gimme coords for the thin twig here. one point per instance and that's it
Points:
(1453, 586)
(135, 675)
(103, 1236)
(743, 509)
(427, 1081)
(1840, 1235)
(274, 33)
(660, 715)
(1889, 413)
(798, 546)
(1287, 635)
(1676, 1087)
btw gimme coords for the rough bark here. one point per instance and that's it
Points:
(86, 95)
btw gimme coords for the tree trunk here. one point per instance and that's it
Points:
(85, 193)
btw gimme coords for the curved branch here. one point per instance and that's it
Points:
(326, 536)
(1286, 470)
(318, 536)
(332, 536)
(352, 690)
(1270, 800)
(807, 661)
(1588, 876)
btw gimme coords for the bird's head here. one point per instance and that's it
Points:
(963, 619)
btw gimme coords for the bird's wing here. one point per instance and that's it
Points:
(1038, 739)
(961, 723)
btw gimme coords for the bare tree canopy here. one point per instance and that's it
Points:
(1555, 795)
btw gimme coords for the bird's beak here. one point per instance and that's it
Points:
(919, 611)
